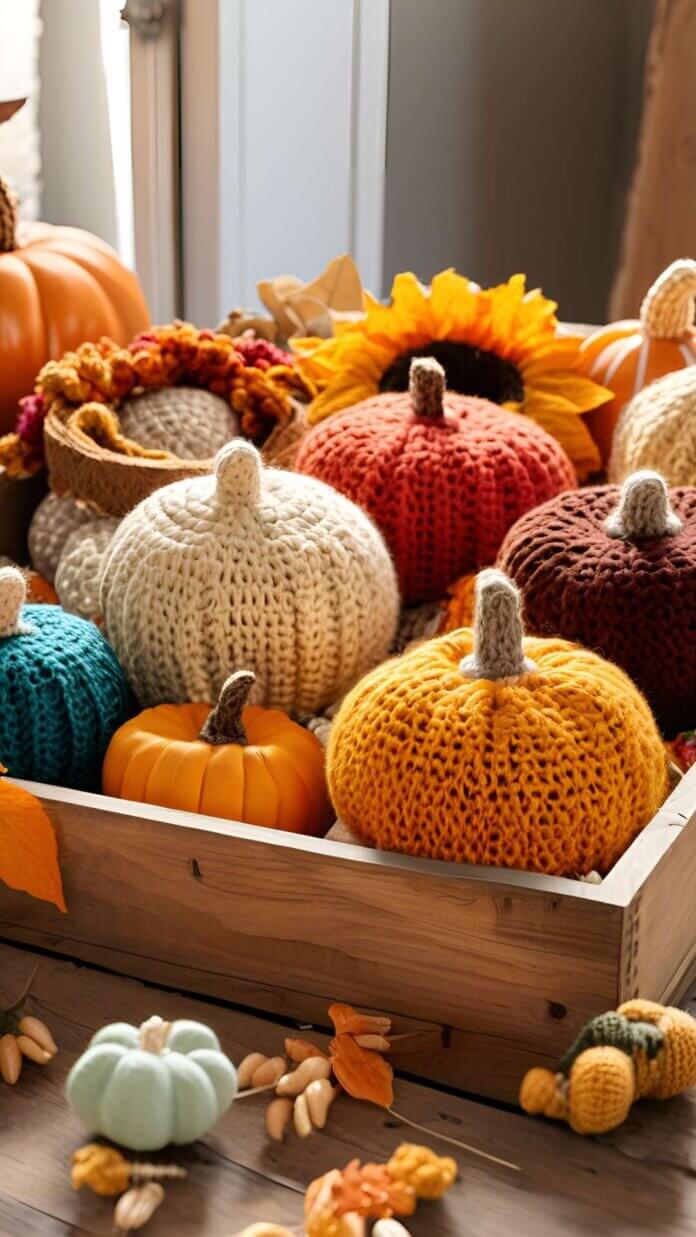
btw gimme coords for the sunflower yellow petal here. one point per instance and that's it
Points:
(337, 397)
(574, 390)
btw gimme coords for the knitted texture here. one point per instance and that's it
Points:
(252, 568)
(78, 577)
(633, 601)
(554, 771)
(443, 489)
(51, 524)
(642, 1050)
(657, 429)
(62, 696)
(189, 422)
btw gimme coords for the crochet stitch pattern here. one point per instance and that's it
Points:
(442, 475)
(253, 568)
(554, 770)
(642, 1050)
(51, 524)
(657, 429)
(78, 575)
(62, 692)
(631, 598)
(189, 422)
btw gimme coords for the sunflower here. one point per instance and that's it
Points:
(501, 343)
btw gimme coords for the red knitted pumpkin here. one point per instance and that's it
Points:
(443, 475)
(615, 570)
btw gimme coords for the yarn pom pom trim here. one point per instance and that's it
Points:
(84, 388)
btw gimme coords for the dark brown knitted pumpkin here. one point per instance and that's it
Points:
(615, 569)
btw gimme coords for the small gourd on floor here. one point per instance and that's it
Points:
(442, 475)
(146, 1087)
(615, 570)
(642, 1050)
(252, 567)
(239, 762)
(658, 430)
(626, 356)
(484, 747)
(62, 691)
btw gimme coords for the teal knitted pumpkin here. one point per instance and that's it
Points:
(165, 1082)
(62, 691)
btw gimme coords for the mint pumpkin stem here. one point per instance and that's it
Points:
(153, 1034)
(498, 631)
(644, 511)
(426, 387)
(13, 594)
(224, 723)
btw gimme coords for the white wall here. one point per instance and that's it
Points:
(511, 131)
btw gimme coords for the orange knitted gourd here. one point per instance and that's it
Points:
(486, 748)
(443, 476)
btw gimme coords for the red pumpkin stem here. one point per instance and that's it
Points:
(426, 386)
(498, 631)
(668, 307)
(224, 723)
(644, 511)
(13, 594)
(8, 218)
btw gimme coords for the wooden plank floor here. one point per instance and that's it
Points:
(641, 1179)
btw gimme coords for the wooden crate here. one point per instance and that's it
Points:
(495, 969)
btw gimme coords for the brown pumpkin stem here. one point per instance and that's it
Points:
(8, 218)
(224, 723)
(498, 631)
(668, 307)
(13, 595)
(426, 386)
(644, 511)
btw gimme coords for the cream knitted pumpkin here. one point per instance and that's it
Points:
(251, 568)
(78, 574)
(52, 523)
(657, 430)
(188, 421)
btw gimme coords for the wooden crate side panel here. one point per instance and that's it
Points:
(248, 920)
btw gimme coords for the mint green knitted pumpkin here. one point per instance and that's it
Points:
(165, 1082)
(62, 691)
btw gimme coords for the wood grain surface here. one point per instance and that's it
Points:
(640, 1179)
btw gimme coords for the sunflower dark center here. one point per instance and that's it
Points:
(470, 371)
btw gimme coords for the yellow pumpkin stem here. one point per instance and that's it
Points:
(224, 723)
(644, 509)
(668, 307)
(8, 218)
(498, 631)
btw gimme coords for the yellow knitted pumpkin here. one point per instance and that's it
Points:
(641, 1050)
(486, 748)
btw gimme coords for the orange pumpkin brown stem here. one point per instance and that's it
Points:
(8, 218)
(498, 631)
(426, 387)
(668, 307)
(224, 723)
(644, 509)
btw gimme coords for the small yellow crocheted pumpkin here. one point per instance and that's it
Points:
(486, 748)
(640, 1051)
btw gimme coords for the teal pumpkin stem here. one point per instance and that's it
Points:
(13, 595)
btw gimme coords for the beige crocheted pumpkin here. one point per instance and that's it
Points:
(78, 574)
(657, 430)
(188, 421)
(51, 524)
(251, 568)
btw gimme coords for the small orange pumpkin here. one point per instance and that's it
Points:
(241, 763)
(58, 287)
(625, 356)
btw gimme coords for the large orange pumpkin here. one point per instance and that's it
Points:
(625, 356)
(248, 764)
(58, 287)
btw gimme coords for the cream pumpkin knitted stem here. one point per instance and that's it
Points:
(251, 567)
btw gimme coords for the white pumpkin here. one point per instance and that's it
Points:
(149, 1086)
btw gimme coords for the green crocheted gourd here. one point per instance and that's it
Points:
(62, 691)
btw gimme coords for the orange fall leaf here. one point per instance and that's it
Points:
(362, 1073)
(28, 847)
(347, 1021)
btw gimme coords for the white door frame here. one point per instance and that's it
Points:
(205, 247)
